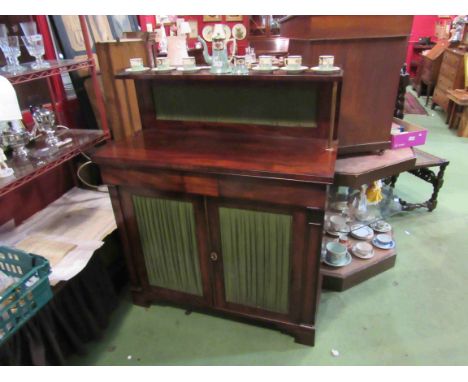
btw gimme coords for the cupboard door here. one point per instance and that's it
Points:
(257, 253)
(170, 236)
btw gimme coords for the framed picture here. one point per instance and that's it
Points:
(234, 17)
(193, 28)
(208, 19)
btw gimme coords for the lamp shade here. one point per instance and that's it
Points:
(185, 27)
(9, 106)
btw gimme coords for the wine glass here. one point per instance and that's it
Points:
(35, 46)
(29, 28)
(11, 49)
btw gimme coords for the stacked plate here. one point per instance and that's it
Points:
(361, 232)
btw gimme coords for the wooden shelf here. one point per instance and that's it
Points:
(56, 67)
(25, 171)
(205, 75)
(359, 270)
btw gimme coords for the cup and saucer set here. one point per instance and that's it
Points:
(337, 226)
(265, 65)
(293, 65)
(336, 255)
(326, 65)
(188, 65)
(383, 241)
(163, 65)
(136, 65)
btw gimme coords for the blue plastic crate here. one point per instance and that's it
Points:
(26, 296)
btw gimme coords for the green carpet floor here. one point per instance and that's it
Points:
(413, 314)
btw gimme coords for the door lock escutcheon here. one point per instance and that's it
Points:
(213, 256)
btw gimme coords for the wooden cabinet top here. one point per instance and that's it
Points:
(205, 75)
(222, 153)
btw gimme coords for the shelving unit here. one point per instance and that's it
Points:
(29, 170)
(56, 67)
(82, 139)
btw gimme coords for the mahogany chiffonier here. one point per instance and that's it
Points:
(220, 198)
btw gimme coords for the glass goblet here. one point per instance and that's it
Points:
(11, 50)
(35, 46)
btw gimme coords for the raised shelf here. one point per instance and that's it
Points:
(33, 168)
(205, 75)
(359, 270)
(56, 67)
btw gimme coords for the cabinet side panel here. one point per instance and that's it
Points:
(167, 234)
(256, 249)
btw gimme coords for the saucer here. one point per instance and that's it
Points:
(362, 233)
(294, 71)
(357, 254)
(188, 70)
(137, 70)
(261, 70)
(163, 70)
(386, 228)
(318, 69)
(375, 243)
(346, 261)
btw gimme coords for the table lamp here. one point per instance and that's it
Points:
(9, 111)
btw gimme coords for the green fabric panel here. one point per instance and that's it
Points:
(269, 104)
(256, 249)
(168, 240)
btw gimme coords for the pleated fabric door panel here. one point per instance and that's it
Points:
(256, 249)
(169, 244)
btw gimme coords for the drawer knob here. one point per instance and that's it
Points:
(213, 256)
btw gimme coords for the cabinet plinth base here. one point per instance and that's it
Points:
(302, 333)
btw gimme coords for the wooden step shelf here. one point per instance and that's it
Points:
(359, 270)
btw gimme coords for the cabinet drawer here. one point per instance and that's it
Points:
(450, 72)
(444, 83)
(234, 187)
(451, 59)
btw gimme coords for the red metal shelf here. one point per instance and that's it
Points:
(56, 67)
(29, 170)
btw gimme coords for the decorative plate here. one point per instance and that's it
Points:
(239, 31)
(362, 232)
(207, 32)
(188, 70)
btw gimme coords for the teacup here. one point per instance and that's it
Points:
(336, 252)
(188, 62)
(162, 62)
(136, 63)
(265, 62)
(337, 223)
(381, 224)
(363, 248)
(384, 239)
(293, 62)
(326, 62)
